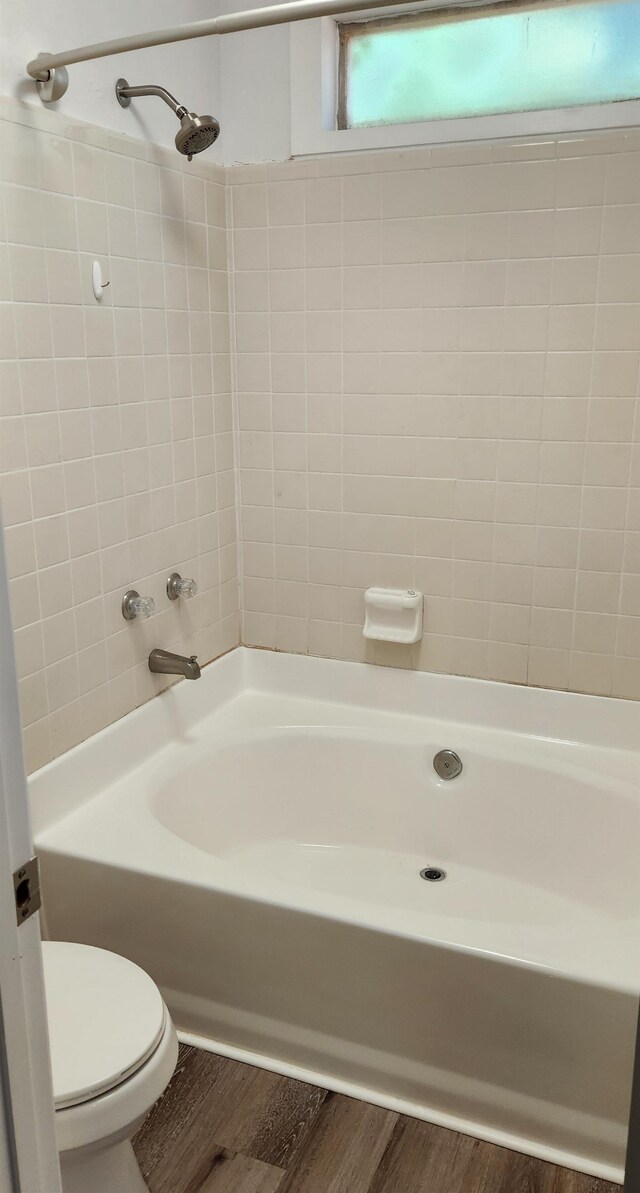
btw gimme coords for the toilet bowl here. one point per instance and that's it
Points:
(113, 1052)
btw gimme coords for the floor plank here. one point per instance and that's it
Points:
(213, 1104)
(233, 1173)
(423, 1158)
(343, 1149)
(225, 1127)
(176, 1142)
(577, 1182)
(270, 1117)
(494, 1169)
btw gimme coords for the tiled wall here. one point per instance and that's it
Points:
(435, 358)
(116, 446)
(437, 371)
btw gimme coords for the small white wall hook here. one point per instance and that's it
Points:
(99, 284)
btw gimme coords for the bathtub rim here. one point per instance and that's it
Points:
(543, 714)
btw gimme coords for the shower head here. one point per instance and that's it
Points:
(196, 132)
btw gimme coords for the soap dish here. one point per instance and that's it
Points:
(393, 614)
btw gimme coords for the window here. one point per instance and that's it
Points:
(515, 57)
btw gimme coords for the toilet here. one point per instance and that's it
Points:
(113, 1052)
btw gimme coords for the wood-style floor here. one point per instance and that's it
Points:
(223, 1127)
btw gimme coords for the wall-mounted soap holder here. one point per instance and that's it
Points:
(393, 614)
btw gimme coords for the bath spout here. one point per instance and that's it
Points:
(163, 662)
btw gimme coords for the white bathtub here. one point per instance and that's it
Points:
(255, 841)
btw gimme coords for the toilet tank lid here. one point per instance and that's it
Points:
(106, 1018)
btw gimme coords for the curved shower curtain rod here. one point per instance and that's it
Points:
(50, 74)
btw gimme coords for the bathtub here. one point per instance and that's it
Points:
(255, 841)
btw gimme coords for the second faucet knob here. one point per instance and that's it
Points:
(133, 605)
(177, 587)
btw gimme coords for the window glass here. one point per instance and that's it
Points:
(483, 61)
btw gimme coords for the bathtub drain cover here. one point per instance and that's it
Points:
(433, 874)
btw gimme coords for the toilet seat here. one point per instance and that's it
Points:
(106, 1019)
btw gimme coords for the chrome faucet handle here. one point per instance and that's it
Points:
(133, 605)
(177, 587)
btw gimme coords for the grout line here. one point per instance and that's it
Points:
(235, 405)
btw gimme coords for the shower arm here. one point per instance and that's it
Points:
(126, 92)
(43, 68)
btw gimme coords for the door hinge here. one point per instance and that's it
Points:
(26, 886)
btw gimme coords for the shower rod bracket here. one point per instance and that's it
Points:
(52, 83)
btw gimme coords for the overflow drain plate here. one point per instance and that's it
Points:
(447, 764)
(433, 874)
